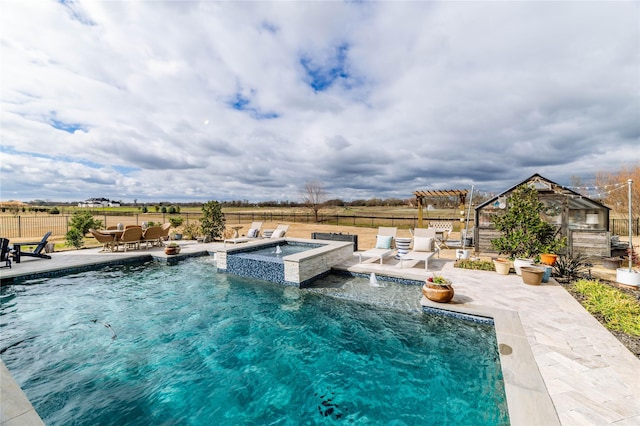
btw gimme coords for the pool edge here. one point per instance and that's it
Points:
(528, 399)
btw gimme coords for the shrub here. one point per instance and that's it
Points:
(145, 209)
(176, 221)
(191, 230)
(570, 266)
(83, 221)
(524, 232)
(54, 211)
(482, 265)
(619, 311)
(213, 221)
(74, 238)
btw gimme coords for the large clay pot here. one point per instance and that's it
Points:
(531, 275)
(503, 266)
(548, 258)
(438, 293)
(520, 262)
(170, 250)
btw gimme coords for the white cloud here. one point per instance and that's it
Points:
(250, 100)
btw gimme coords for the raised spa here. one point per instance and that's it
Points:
(292, 261)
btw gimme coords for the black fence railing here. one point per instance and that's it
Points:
(621, 226)
(35, 226)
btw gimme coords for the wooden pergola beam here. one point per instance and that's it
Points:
(421, 195)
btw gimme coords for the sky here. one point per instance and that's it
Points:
(203, 100)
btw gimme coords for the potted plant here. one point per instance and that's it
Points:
(172, 248)
(549, 252)
(438, 289)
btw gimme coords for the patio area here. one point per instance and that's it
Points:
(589, 376)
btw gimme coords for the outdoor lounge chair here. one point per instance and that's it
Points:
(4, 252)
(252, 234)
(108, 240)
(37, 252)
(280, 231)
(424, 247)
(383, 248)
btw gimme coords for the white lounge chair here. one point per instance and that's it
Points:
(252, 234)
(280, 231)
(384, 246)
(424, 247)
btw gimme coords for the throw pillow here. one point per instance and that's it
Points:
(422, 244)
(383, 241)
(278, 233)
(253, 233)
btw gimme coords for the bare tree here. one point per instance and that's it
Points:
(314, 196)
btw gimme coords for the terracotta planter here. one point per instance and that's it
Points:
(438, 293)
(503, 266)
(531, 275)
(171, 250)
(548, 258)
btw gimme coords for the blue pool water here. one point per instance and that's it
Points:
(272, 251)
(183, 344)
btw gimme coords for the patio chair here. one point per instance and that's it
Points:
(165, 232)
(384, 246)
(252, 234)
(37, 252)
(107, 240)
(5, 253)
(130, 238)
(442, 229)
(424, 247)
(152, 236)
(280, 231)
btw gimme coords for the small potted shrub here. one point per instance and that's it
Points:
(438, 289)
(172, 248)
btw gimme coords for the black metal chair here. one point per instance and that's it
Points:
(37, 252)
(5, 253)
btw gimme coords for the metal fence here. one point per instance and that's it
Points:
(621, 226)
(35, 226)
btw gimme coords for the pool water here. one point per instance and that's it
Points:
(277, 251)
(183, 344)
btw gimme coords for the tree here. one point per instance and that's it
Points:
(615, 190)
(213, 220)
(524, 232)
(83, 221)
(314, 196)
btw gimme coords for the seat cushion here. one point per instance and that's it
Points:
(423, 244)
(383, 241)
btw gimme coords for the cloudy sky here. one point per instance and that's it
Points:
(202, 100)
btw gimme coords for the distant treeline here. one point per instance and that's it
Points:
(174, 207)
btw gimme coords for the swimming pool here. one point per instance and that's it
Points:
(188, 345)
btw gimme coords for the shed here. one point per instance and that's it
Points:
(585, 222)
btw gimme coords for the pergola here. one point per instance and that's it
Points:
(421, 195)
